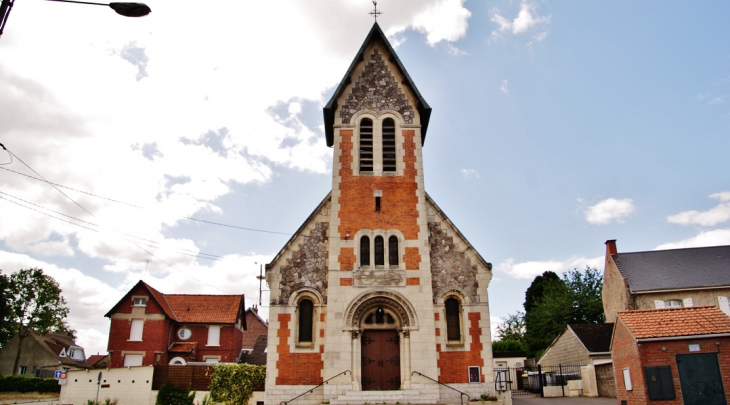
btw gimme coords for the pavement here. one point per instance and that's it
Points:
(563, 401)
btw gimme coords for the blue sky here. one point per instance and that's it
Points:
(555, 126)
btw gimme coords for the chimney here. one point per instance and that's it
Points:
(255, 309)
(611, 248)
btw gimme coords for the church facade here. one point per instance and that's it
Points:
(378, 293)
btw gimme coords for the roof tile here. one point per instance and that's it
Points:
(205, 308)
(652, 323)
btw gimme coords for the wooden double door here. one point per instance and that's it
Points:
(380, 360)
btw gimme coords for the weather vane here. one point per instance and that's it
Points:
(375, 13)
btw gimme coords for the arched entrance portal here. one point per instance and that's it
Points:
(380, 322)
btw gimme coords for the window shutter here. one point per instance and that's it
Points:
(687, 302)
(724, 305)
(214, 335)
(658, 304)
(135, 333)
(131, 360)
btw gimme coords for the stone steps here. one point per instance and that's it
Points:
(403, 397)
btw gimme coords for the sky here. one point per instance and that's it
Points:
(185, 147)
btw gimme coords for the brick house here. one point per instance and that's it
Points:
(665, 279)
(673, 356)
(149, 327)
(378, 281)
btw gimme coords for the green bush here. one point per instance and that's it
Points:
(19, 383)
(173, 395)
(234, 383)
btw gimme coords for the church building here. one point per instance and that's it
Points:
(377, 293)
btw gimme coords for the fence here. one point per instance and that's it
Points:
(530, 381)
(196, 378)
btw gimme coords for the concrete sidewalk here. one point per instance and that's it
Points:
(563, 401)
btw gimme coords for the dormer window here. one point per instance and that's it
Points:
(139, 302)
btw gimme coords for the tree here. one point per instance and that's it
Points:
(507, 345)
(574, 299)
(36, 305)
(512, 328)
(6, 329)
(536, 290)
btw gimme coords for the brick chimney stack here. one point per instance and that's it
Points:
(611, 248)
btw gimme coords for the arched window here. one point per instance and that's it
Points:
(379, 251)
(393, 250)
(306, 315)
(388, 145)
(453, 326)
(366, 145)
(364, 251)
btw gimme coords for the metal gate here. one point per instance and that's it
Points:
(529, 381)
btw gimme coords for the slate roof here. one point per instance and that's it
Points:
(55, 343)
(676, 268)
(596, 337)
(257, 356)
(672, 322)
(375, 34)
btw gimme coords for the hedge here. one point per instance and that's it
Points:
(19, 383)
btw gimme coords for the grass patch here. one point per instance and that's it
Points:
(15, 396)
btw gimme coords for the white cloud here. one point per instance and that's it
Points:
(531, 269)
(503, 88)
(609, 210)
(469, 174)
(711, 217)
(445, 20)
(526, 20)
(716, 237)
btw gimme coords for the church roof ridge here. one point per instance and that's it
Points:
(424, 110)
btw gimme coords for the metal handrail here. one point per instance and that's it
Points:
(311, 390)
(461, 396)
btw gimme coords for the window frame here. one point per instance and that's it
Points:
(450, 318)
(304, 324)
(139, 301)
(367, 257)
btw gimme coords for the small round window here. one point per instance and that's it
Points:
(184, 333)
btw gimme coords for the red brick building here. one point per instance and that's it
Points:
(149, 327)
(672, 356)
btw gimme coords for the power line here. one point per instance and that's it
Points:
(134, 243)
(140, 207)
(157, 244)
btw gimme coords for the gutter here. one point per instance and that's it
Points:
(706, 336)
(717, 287)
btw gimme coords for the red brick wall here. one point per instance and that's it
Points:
(454, 365)
(399, 201)
(255, 328)
(296, 368)
(412, 258)
(154, 338)
(628, 354)
(347, 258)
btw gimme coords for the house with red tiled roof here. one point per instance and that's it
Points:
(673, 355)
(149, 327)
(98, 360)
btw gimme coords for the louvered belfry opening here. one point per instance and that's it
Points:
(389, 145)
(366, 145)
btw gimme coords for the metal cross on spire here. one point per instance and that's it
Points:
(375, 13)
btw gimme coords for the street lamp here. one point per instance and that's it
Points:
(125, 9)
